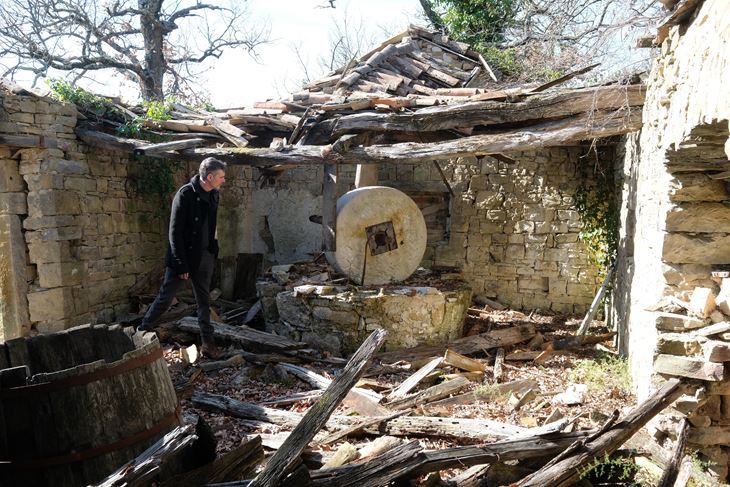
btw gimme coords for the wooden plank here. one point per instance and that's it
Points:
(565, 469)
(488, 393)
(405, 387)
(462, 362)
(467, 345)
(431, 394)
(285, 457)
(672, 469)
(343, 433)
(168, 146)
(538, 107)
(257, 341)
(478, 429)
(498, 363)
(546, 134)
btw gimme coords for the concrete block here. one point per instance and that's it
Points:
(14, 318)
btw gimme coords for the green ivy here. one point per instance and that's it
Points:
(596, 201)
(154, 110)
(153, 176)
(64, 91)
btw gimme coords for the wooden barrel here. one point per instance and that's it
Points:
(76, 405)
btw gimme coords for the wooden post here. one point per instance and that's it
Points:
(329, 208)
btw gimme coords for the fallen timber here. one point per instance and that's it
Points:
(553, 133)
(286, 457)
(413, 461)
(472, 114)
(477, 429)
(564, 470)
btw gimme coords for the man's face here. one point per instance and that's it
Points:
(216, 178)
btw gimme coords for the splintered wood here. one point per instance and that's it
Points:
(464, 401)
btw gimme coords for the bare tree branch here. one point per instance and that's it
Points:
(142, 39)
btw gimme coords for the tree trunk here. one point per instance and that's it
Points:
(153, 32)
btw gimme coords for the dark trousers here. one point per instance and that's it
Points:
(201, 289)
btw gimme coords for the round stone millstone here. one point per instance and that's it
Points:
(385, 223)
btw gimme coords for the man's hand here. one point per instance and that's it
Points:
(184, 276)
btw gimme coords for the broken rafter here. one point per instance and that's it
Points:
(154, 149)
(555, 133)
(285, 457)
(471, 114)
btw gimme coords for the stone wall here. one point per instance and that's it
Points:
(676, 227)
(513, 227)
(80, 232)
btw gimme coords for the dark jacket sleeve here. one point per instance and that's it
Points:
(176, 234)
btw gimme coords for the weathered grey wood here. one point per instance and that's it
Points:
(322, 382)
(490, 393)
(234, 465)
(293, 398)
(106, 141)
(141, 471)
(588, 318)
(255, 340)
(466, 345)
(695, 368)
(279, 465)
(381, 470)
(359, 427)
(471, 114)
(434, 393)
(672, 469)
(498, 363)
(545, 134)
(565, 472)
(405, 387)
(154, 149)
(329, 208)
(480, 429)
(376, 472)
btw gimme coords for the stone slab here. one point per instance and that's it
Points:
(694, 368)
(14, 319)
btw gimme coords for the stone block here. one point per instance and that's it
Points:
(702, 302)
(679, 344)
(53, 234)
(486, 200)
(14, 318)
(51, 304)
(10, 179)
(57, 274)
(551, 227)
(698, 217)
(705, 249)
(677, 322)
(79, 183)
(49, 251)
(13, 204)
(524, 227)
(695, 368)
(38, 182)
(696, 186)
(64, 166)
(716, 351)
(39, 222)
(53, 202)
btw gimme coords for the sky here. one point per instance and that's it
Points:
(239, 80)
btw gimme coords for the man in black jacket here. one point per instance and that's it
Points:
(192, 248)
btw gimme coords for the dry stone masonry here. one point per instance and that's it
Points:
(673, 286)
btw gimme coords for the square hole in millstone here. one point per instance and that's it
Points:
(381, 238)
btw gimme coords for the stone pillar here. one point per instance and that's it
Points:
(14, 320)
(366, 175)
